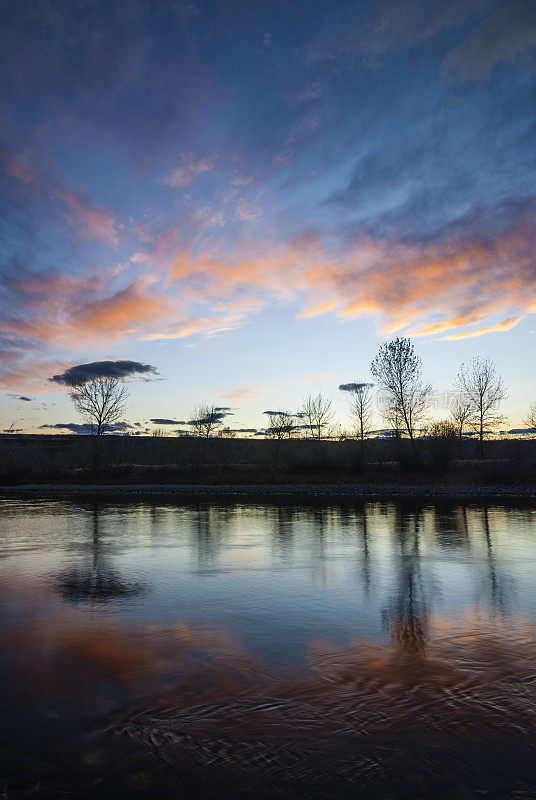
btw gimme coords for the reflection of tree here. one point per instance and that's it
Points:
(497, 584)
(320, 517)
(95, 580)
(450, 528)
(207, 530)
(408, 613)
(362, 517)
(282, 519)
(355, 519)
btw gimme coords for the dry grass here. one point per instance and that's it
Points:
(72, 459)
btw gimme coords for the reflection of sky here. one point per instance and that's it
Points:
(197, 185)
(337, 620)
(280, 578)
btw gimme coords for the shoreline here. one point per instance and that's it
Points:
(270, 492)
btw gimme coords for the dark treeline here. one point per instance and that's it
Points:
(148, 459)
(462, 446)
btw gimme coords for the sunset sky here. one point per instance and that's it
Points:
(251, 195)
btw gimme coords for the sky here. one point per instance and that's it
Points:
(246, 197)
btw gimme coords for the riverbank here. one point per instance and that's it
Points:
(155, 461)
(322, 491)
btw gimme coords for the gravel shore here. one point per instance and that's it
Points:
(331, 491)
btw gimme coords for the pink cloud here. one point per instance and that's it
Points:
(140, 258)
(30, 374)
(33, 175)
(242, 180)
(455, 288)
(96, 221)
(64, 310)
(245, 393)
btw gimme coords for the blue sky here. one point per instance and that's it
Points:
(251, 196)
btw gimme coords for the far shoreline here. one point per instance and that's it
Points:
(271, 492)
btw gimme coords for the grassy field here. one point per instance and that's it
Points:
(117, 460)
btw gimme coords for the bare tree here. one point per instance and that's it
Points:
(206, 419)
(360, 406)
(530, 419)
(394, 421)
(317, 414)
(12, 428)
(461, 414)
(100, 401)
(280, 424)
(484, 390)
(398, 371)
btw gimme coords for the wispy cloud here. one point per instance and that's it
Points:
(283, 182)
(374, 30)
(501, 38)
(192, 167)
(504, 325)
(244, 393)
(422, 290)
(32, 176)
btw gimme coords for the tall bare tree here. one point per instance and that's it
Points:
(206, 419)
(461, 414)
(281, 424)
(484, 390)
(360, 406)
(398, 371)
(317, 414)
(100, 401)
(530, 419)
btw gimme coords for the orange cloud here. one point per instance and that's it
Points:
(251, 392)
(69, 312)
(130, 310)
(418, 290)
(505, 325)
(440, 327)
(30, 374)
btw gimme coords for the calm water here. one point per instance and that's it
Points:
(267, 651)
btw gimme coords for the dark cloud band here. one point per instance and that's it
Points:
(81, 373)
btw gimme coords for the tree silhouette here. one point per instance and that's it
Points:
(530, 419)
(317, 414)
(360, 406)
(281, 424)
(100, 401)
(483, 390)
(207, 419)
(461, 414)
(398, 371)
